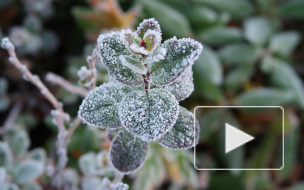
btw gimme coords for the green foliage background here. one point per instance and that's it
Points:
(253, 55)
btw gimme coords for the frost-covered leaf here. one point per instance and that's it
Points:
(18, 141)
(3, 85)
(91, 183)
(110, 48)
(99, 108)
(148, 24)
(180, 54)
(71, 177)
(148, 116)
(258, 30)
(128, 153)
(38, 154)
(90, 165)
(152, 40)
(133, 42)
(121, 186)
(133, 64)
(183, 86)
(28, 171)
(284, 43)
(155, 56)
(181, 136)
(32, 186)
(6, 156)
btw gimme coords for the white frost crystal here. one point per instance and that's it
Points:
(182, 134)
(140, 104)
(148, 116)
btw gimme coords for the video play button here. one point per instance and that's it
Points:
(235, 138)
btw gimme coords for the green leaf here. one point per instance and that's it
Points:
(238, 53)
(18, 141)
(209, 66)
(3, 85)
(183, 86)
(283, 76)
(128, 153)
(257, 30)
(238, 76)
(196, 13)
(292, 9)
(28, 171)
(111, 48)
(284, 43)
(91, 183)
(38, 154)
(147, 24)
(92, 164)
(100, 109)
(6, 156)
(237, 8)
(173, 22)
(180, 54)
(268, 63)
(265, 97)
(4, 103)
(71, 176)
(148, 116)
(205, 88)
(220, 35)
(297, 186)
(181, 136)
(32, 186)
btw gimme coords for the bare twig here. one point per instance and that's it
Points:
(58, 80)
(92, 66)
(27, 75)
(58, 114)
(76, 122)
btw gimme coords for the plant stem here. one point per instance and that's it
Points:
(147, 80)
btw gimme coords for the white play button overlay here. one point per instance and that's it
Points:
(235, 138)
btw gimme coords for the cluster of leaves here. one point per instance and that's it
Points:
(31, 37)
(141, 100)
(20, 168)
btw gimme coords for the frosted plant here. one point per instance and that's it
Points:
(141, 100)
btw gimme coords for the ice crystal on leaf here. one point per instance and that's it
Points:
(148, 116)
(100, 109)
(183, 86)
(128, 153)
(140, 104)
(110, 48)
(181, 136)
(180, 54)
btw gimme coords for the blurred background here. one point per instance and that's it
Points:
(253, 55)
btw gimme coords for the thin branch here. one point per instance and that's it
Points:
(58, 80)
(92, 66)
(76, 122)
(27, 75)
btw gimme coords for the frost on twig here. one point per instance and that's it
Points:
(59, 116)
(58, 80)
